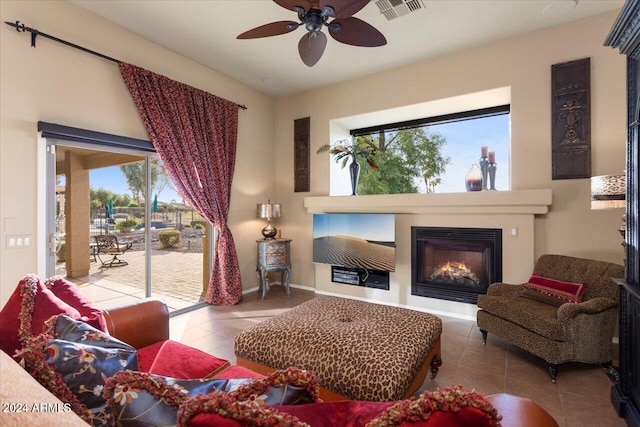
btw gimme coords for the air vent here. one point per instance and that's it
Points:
(393, 9)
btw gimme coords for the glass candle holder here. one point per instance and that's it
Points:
(492, 175)
(484, 164)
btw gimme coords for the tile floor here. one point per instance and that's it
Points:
(580, 397)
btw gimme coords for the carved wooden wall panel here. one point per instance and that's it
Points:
(571, 120)
(301, 159)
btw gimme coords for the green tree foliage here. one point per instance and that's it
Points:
(124, 200)
(390, 178)
(402, 156)
(135, 175)
(100, 198)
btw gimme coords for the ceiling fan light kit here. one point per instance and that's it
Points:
(314, 15)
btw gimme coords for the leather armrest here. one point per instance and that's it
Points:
(140, 323)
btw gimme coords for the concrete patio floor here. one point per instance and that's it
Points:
(176, 278)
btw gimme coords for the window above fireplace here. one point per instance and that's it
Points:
(427, 147)
(438, 150)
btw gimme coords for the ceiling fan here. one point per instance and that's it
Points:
(314, 14)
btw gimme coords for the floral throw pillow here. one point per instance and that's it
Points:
(142, 399)
(73, 360)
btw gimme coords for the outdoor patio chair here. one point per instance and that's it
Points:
(108, 245)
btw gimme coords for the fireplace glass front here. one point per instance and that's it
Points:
(456, 264)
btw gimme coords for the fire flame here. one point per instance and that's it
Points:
(448, 267)
(456, 272)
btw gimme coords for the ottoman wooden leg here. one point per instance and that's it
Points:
(436, 362)
(434, 358)
(432, 362)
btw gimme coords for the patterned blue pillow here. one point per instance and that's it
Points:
(86, 357)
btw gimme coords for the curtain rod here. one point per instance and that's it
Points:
(21, 28)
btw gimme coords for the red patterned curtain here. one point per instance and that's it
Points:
(195, 134)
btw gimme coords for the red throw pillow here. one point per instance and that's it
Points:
(180, 361)
(33, 304)
(354, 413)
(445, 407)
(68, 292)
(553, 291)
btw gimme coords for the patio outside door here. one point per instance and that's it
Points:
(95, 190)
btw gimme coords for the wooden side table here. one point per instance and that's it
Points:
(273, 255)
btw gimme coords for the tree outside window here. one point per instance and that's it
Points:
(404, 158)
(430, 155)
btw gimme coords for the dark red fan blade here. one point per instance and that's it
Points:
(267, 30)
(344, 8)
(290, 4)
(311, 47)
(356, 32)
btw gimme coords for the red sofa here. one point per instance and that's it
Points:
(145, 326)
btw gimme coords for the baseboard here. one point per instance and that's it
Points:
(303, 287)
(292, 285)
(248, 291)
(410, 307)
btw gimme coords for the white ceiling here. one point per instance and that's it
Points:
(206, 30)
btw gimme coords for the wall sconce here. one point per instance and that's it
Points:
(608, 192)
(269, 211)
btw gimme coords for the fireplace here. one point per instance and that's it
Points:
(455, 264)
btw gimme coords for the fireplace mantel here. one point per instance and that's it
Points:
(527, 202)
(512, 211)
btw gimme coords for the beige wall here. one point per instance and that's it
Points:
(522, 63)
(58, 84)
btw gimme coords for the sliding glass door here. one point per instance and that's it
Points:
(116, 226)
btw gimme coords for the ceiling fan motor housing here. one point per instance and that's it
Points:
(313, 20)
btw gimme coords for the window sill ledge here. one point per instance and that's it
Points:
(526, 202)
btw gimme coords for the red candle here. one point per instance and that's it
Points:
(484, 151)
(492, 156)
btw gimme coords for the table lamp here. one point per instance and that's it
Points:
(269, 211)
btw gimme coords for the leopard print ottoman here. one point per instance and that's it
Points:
(359, 350)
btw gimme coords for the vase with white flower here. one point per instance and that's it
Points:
(353, 149)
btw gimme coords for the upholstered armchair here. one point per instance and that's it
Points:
(538, 320)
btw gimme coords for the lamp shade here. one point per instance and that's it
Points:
(269, 210)
(608, 191)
